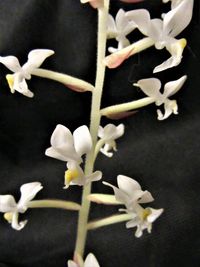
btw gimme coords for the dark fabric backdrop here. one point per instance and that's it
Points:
(162, 156)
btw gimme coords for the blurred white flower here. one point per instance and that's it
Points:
(130, 194)
(143, 219)
(151, 87)
(119, 28)
(90, 261)
(70, 148)
(163, 32)
(109, 134)
(17, 81)
(174, 3)
(11, 209)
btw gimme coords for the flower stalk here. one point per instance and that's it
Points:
(54, 203)
(94, 125)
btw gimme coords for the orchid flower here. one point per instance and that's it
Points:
(70, 148)
(143, 219)
(119, 29)
(163, 32)
(151, 87)
(17, 81)
(109, 134)
(94, 3)
(130, 194)
(11, 209)
(90, 261)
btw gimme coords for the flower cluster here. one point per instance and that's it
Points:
(130, 194)
(162, 32)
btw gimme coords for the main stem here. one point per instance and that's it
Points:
(94, 125)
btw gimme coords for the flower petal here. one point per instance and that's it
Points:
(91, 261)
(11, 62)
(155, 213)
(82, 140)
(173, 87)
(62, 145)
(28, 192)
(111, 132)
(17, 225)
(95, 176)
(111, 27)
(7, 203)
(35, 58)
(21, 86)
(178, 18)
(176, 49)
(151, 87)
(72, 264)
(140, 19)
(170, 107)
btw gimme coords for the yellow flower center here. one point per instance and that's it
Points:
(183, 42)
(145, 214)
(70, 175)
(10, 80)
(8, 216)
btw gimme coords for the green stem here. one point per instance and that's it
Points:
(109, 220)
(51, 203)
(65, 79)
(94, 125)
(127, 106)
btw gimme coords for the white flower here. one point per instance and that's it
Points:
(70, 148)
(90, 261)
(75, 175)
(109, 134)
(174, 3)
(119, 29)
(130, 194)
(163, 32)
(151, 87)
(12, 209)
(143, 219)
(17, 81)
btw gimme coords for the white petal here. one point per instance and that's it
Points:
(21, 86)
(133, 222)
(146, 197)
(176, 49)
(105, 150)
(173, 87)
(178, 18)
(95, 176)
(91, 261)
(72, 264)
(127, 184)
(17, 225)
(155, 30)
(122, 24)
(111, 28)
(140, 18)
(7, 203)
(62, 145)
(151, 87)
(111, 132)
(138, 232)
(11, 62)
(28, 192)
(82, 140)
(155, 213)
(170, 107)
(35, 58)
(119, 194)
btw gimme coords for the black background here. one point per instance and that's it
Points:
(162, 156)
